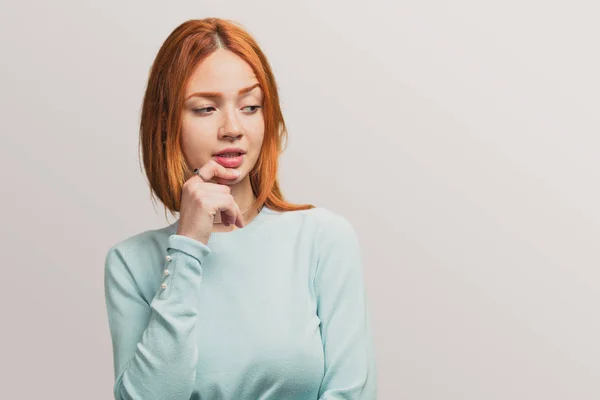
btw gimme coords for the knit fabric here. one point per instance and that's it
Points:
(274, 310)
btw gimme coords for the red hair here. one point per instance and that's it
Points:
(160, 123)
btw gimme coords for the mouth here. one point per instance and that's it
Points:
(230, 160)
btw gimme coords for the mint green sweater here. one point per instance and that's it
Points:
(275, 310)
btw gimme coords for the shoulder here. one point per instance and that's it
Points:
(322, 216)
(332, 222)
(141, 242)
(138, 254)
(320, 222)
(338, 250)
(332, 229)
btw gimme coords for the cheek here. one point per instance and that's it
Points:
(256, 143)
(187, 145)
(257, 132)
(194, 146)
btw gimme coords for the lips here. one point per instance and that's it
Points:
(230, 150)
(230, 162)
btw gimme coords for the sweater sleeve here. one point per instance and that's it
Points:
(154, 345)
(350, 369)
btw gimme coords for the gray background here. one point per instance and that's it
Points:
(460, 138)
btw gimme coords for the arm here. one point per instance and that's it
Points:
(350, 370)
(154, 345)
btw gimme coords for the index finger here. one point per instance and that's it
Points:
(213, 170)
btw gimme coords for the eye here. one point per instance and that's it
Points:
(256, 108)
(198, 110)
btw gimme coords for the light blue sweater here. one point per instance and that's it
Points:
(275, 310)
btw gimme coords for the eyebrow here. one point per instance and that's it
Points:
(212, 95)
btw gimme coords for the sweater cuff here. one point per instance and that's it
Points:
(190, 246)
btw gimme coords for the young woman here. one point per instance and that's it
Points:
(245, 296)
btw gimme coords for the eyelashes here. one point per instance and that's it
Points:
(200, 110)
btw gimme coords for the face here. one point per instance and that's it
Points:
(231, 119)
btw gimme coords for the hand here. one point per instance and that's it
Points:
(200, 202)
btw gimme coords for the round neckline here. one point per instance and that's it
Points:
(218, 236)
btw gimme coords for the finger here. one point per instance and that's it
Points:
(199, 176)
(216, 170)
(238, 220)
(240, 223)
(229, 209)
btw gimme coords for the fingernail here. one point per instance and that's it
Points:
(236, 172)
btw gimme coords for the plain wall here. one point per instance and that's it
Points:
(460, 138)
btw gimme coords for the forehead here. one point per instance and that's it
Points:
(223, 73)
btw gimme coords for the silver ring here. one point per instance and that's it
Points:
(197, 172)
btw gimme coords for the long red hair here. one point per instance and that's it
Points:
(160, 123)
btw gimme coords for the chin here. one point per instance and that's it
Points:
(225, 181)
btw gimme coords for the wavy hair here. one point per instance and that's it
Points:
(161, 115)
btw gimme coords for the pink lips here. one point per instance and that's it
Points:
(230, 162)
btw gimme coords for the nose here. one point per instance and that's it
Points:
(230, 125)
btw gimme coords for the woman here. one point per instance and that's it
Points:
(245, 296)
